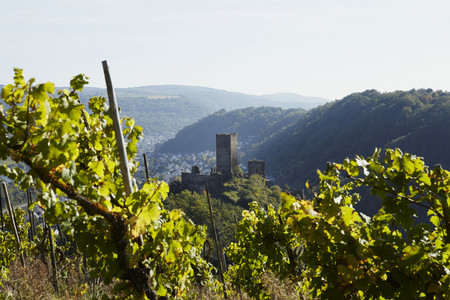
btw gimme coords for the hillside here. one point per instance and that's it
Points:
(253, 125)
(416, 121)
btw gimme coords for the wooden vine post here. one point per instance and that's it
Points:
(13, 221)
(146, 167)
(31, 216)
(118, 131)
(1, 212)
(53, 257)
(114, 112)
(218, 250)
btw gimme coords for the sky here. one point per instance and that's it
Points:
(323, 48)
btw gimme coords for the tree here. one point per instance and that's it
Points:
(70, 152)
(243, 191)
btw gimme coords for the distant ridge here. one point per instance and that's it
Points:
(213, 99)
(222, 99)
(163, 110)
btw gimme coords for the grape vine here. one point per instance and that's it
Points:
(345, 254)
(72, 160)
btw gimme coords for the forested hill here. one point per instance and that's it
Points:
(416, 121)
(252, 125)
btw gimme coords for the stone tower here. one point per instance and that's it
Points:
(226, 154)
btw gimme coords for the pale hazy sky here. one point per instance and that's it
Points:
(327, 48)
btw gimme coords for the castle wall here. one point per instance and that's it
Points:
(194, 182)
(215, 184)
(256, 167)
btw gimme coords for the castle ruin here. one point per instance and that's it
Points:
(227, 162)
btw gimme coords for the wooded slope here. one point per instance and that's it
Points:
(416, 121)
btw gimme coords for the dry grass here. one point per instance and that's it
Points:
(278, 290)
(35, 281)
(29, 282)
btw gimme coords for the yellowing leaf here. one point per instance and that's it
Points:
(98, 146)
(148, 215)
(175, 249)
(175, 214)
(425, 178)
(160, 290)
(435, 220)
(106, 188)
(41, 115)
(97, 167)
(111, 165)
(408, 165)
(347, 215)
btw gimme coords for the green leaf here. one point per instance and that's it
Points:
(41, 115)
(18, 77)
(161, 290)
(7, 92)
(408, 165)
(59, 208)
(78, 82)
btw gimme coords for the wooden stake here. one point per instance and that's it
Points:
(1, 212)
(33, 218)
(30, 215)
(53, 257)
(118, 130)
(13, 221)
(61, 234)
(114, 111)
(218, 250)
(146, 168)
